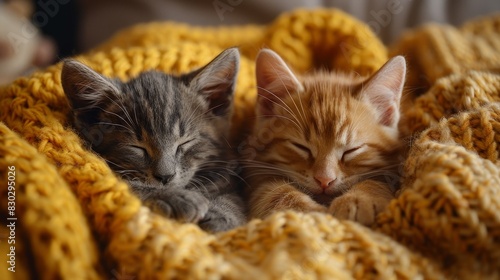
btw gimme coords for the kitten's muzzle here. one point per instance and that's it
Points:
(164, 178)
(325, 182)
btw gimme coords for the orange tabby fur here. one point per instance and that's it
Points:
(327, 143)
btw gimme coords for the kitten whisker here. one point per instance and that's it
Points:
(220, 175)
(259, 164)
(268, 168)
(264, 173)
(227, 142)
(303, 112)
(118, 125)
(342, 188)
(288, 181)
(192, 118)
(122, 108)
(115, 114)
(129, 177)
(135, 113)
(195, 116)
(291, 98)
(284, 106)
(389, 167)
(353, 179)
(114, 163)
(354, 125)
(125, 171)
(228, 170)
(198, 185)
(289, 95)
(209, 180)
(286, 118)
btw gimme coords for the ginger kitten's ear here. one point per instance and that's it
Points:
(216, 81)
(383, 90)
(85, 89)
(275, 81)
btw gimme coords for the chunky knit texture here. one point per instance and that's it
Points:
(77, 220)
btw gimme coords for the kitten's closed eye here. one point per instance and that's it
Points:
(138, 151)
(181, 148)
(350, 153)
(304, 150)
(136, 155)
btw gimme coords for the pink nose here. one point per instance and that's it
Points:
(324, 182)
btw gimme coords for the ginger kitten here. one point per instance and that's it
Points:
(324, 142)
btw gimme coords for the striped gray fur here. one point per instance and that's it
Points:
(166, 136)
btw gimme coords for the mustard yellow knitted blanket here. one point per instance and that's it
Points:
(71, 218)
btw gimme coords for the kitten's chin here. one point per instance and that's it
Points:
(323, 199)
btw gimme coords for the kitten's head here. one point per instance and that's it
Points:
(155, 128)
(327, 131)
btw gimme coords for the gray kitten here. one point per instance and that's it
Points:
(166, 136)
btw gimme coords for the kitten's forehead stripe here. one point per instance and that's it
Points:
(182, 127)
(155, 105)
(343, 135)
(330, 128)
(175, 129)
(307, 133)
(175, 96)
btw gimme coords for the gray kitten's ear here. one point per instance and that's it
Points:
(384, 89)
(84, 87)
(216, 81)
(275, 81)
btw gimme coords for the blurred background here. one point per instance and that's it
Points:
(69, 27)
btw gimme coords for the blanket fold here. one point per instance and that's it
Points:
(77, 220)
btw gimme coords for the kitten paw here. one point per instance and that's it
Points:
(216, 222)
(186, 206)
(225, 212)
(358, 207)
